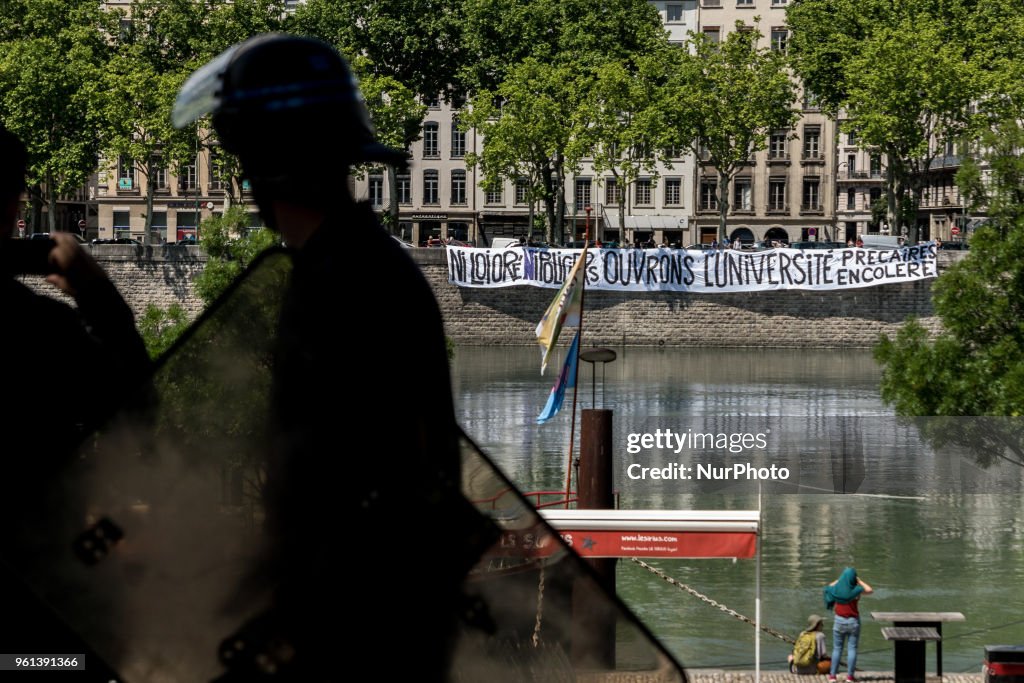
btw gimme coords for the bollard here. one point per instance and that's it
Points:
(593, 643)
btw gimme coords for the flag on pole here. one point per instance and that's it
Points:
(564, 310)
(566, 380)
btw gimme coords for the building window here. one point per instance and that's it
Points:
(377, 190)
(494, 194)
(777, 144)
(122, 224)
(876, 194)
(404, 188)
(780, 38)
(673, 152)
(811, 101)
(742, 199)
(851, 138)
(522, 192)
(612, 192)
(458, 186)
(673, 191)
(713, 34)
(779, 3)
(744, 3)
(712, 3)
(708, 194)
(812, 142)
(582, 193)
(430, 148)
(430, 195)
(187, 222)
(432, 102)
(126, 174)
(876, 165)
(673, 13)
(160, 179)
(219, 180)
(187, 179)
(643, 192)
(777, 194)
(458, 141)
(812, 198)
(851, 199)
(158, 226)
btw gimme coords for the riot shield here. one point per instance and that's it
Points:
(152, 549)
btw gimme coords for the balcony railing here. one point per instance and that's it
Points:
(946, 161)
(860, 175)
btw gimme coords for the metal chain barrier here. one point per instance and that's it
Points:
(540, 606)
(714, 603)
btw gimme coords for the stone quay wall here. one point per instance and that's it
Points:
(791, 318)
(160, 275)
(851, 318)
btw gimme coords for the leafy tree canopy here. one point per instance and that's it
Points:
(231, 247)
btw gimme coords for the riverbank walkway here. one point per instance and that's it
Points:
(723, 676)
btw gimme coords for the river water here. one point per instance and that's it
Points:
(906, 522)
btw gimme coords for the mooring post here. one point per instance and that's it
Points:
(593, 643)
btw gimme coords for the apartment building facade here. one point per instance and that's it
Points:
(787, 192)
(810, 183)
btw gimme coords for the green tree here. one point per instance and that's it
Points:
(533, 82)
(226, 22)
(397, 116)
(140, 83)
(904, 73)
(160, 327)
(230, 246)
(51, 64)
(726, 99)
(415, 42)
(528, 125)
(627, 122)
(404, 54)
(500, 34)
(975, 365)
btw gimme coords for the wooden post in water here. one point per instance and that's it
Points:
(593, 642)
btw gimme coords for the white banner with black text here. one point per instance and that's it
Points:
(679, 270)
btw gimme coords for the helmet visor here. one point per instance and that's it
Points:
(202, 92)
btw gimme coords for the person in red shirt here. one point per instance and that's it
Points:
(842, 596)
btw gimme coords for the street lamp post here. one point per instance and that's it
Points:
(835, 205)
(197, 186)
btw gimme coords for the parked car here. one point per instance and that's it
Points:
(116, 240)
(45, 236)
(817, 245)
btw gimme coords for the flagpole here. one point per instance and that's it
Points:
(576, 370)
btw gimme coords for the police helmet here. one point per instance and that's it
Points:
(275, 97)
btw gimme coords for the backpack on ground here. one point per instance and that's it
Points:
(805, 652)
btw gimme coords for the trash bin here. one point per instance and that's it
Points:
(1004, 664)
